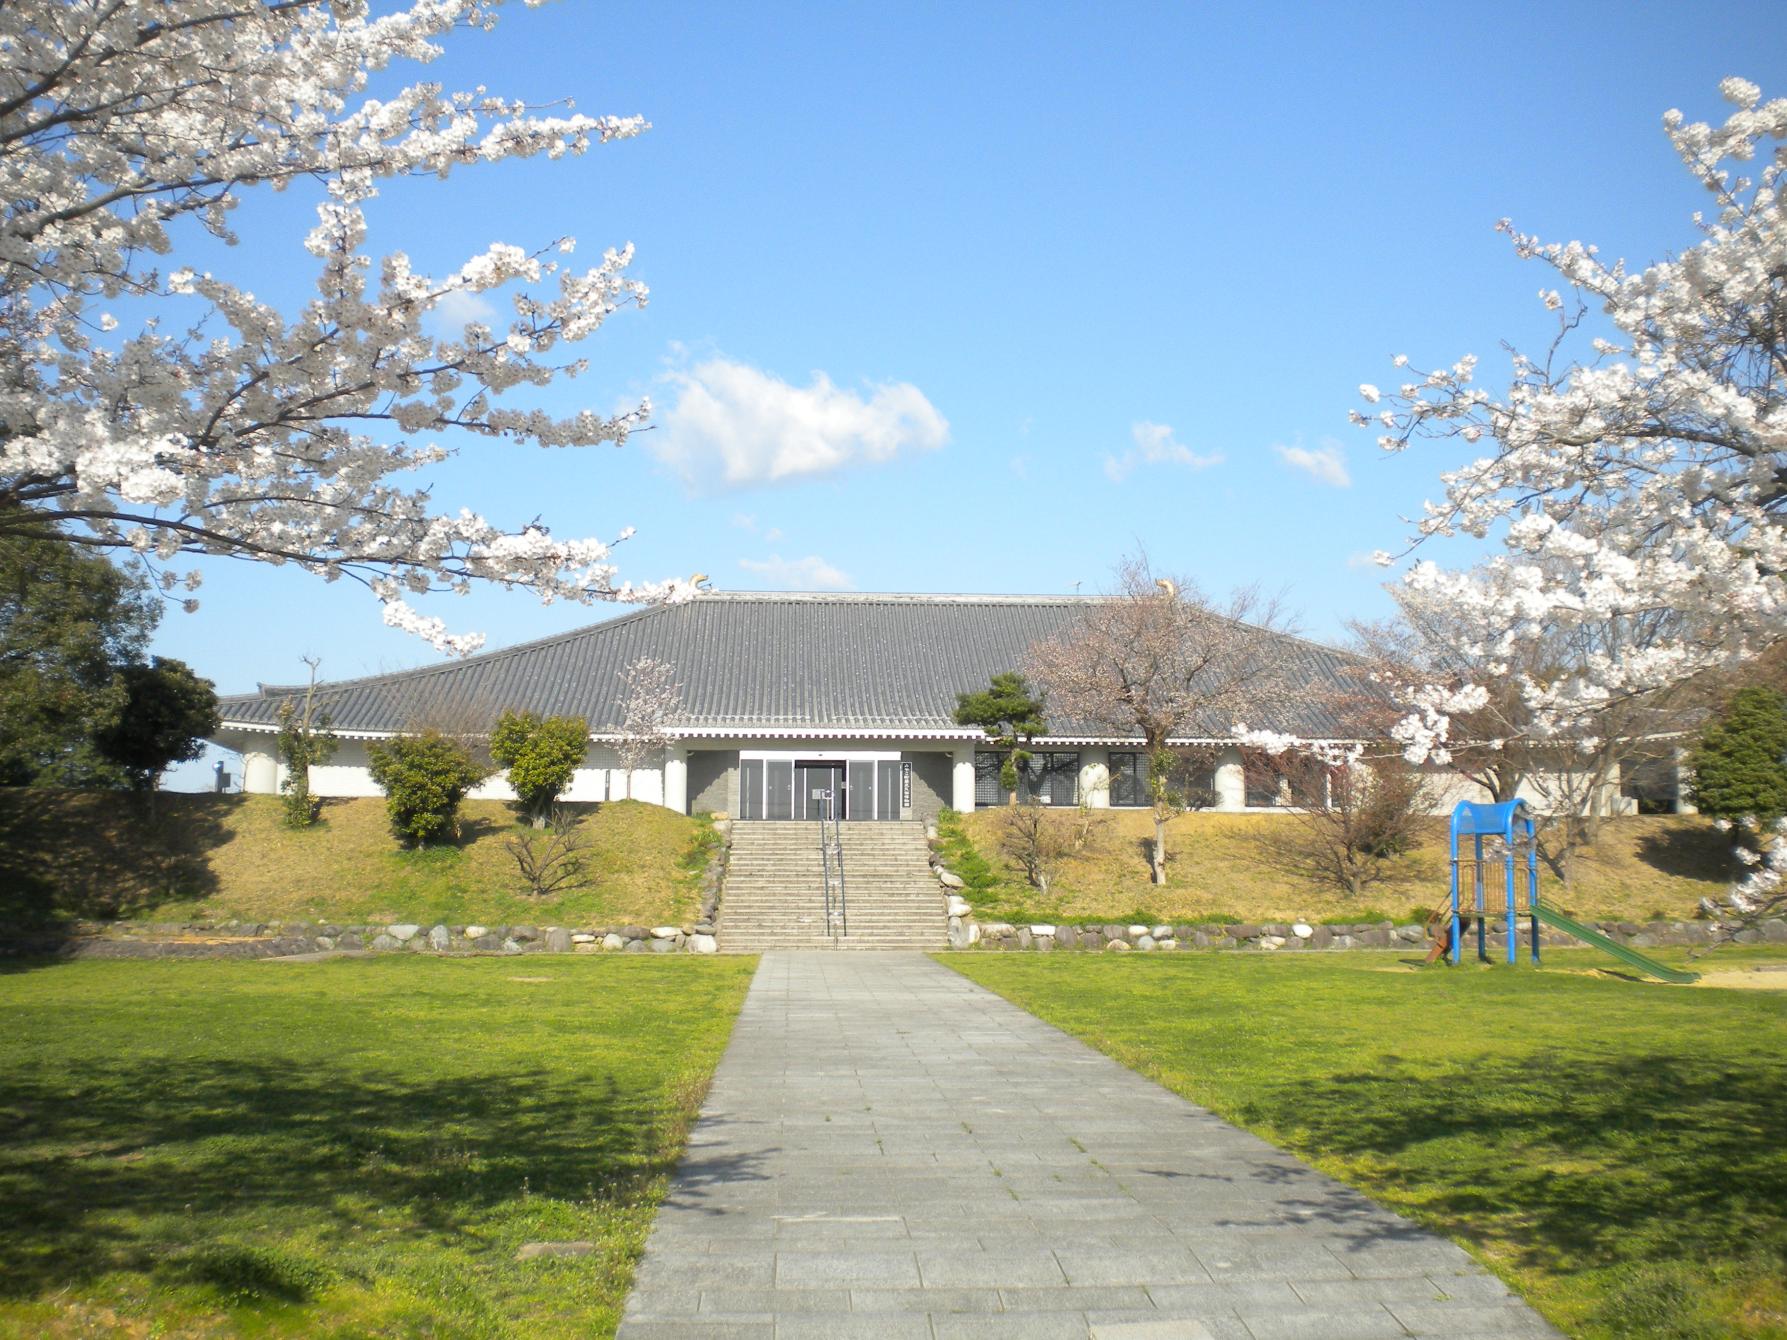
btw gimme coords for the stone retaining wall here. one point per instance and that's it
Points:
(239, 939)
(967, 932)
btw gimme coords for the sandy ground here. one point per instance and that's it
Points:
(1759, 977)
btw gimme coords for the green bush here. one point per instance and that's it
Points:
(424, 777)
(1740, 766)
(541, 756)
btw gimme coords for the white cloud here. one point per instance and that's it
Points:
(457, 309)
(733, 425)
(1155, 445)
(1326, 463)
(811, 573)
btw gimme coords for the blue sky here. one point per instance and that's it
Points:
(980, 298)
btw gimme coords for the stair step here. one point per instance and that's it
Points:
(773, 896)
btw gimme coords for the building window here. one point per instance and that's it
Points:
(1287, 781)
(1129, 781)
(1191, 781)
(1051, 778)
(986, 780)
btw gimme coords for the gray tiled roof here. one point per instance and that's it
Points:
(769, 661)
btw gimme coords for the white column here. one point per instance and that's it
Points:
(1231, 780)
(1683, 774)
(961, 773)
(676, 779)
(1095, 778)
(260, 772)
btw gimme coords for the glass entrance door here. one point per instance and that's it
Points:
(814, 782)
(774, 784)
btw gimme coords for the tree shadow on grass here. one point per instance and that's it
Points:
(1700, 852)
(87, 1168)
(69, 855)
(1569, 1163)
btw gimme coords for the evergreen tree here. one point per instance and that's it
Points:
(162, 714)
(1011, 716)
(541, 756)
(424, 777)
(69, 621)
(1740, 766)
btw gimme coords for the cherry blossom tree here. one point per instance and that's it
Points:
(1636, 470)
(649, 703)
(1638, 467)
(1157, 658)
(1493, 736)
(151, 407)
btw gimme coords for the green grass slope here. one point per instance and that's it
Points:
(71, 854)
(1233, 866)
(1616, 1150)
(343, 1149)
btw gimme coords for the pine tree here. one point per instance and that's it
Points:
(1740, 766)
(1010, 715)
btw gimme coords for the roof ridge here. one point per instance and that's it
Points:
(899, 597)
(441, 667)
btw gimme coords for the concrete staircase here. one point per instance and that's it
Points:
(774, 896)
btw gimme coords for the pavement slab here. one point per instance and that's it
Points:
(889, 1150)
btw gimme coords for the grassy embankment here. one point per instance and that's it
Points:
(1617, 1151)
(1233, 867)
(348, 1148)
(66, 854)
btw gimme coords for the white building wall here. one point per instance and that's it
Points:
(1446, 789)
(348, 774)
(601, 776)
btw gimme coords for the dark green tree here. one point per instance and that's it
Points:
(68, 621)
(1011, 716)
(161, 714)
(1740, 765)
(424, 777)
(541, 756)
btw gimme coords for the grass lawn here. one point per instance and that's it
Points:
(203, 856)
(342, 1148)
(1228, 865)
(1615, 1150)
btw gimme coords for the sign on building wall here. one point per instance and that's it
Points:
(906, 784)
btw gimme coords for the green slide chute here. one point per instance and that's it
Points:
(1626, 955)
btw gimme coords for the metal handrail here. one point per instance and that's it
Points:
(825, 866)
(837, 828)
(832, 849)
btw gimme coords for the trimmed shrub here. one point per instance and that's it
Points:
(541, 756)
(424, 777)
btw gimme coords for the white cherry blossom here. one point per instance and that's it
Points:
(211, 423)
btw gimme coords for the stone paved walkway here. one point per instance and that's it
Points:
(891, 1151)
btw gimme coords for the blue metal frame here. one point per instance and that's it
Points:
(1511, 821)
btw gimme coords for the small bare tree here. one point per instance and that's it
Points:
(304, 741)
(1155, 657)
(650, 701)
(1035, 839)
(551, 857)
(1354, 821)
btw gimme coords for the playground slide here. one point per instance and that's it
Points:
(1630, 957)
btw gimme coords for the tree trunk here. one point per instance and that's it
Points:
(1159, 854)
